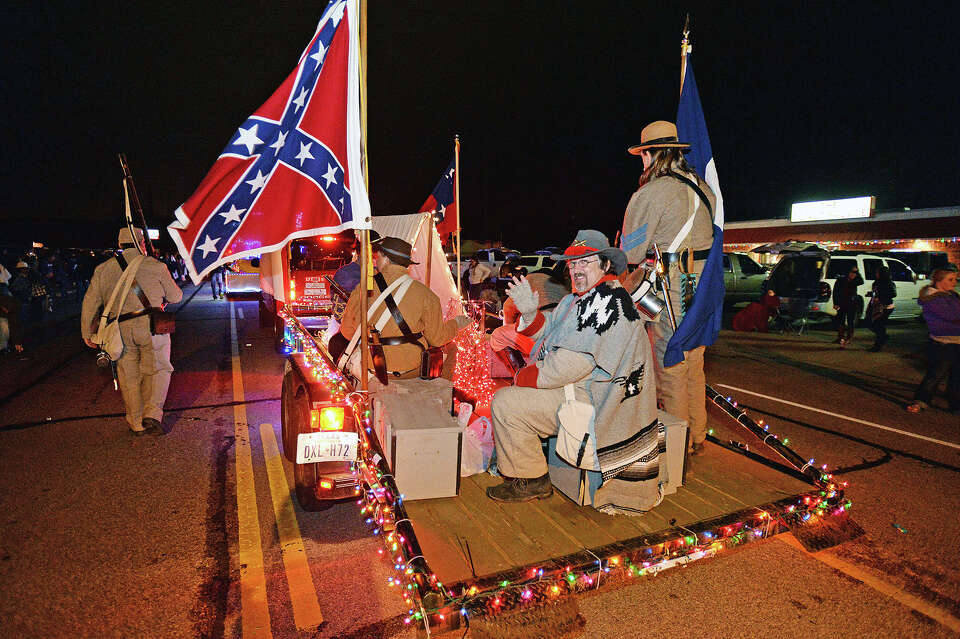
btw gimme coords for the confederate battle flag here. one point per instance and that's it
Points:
(293, 168)
(441, 201)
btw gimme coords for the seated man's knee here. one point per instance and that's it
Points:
(502, 400)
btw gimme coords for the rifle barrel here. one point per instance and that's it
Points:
(135, 201)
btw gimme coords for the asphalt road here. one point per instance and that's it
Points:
(107, 535)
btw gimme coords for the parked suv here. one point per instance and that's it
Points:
(743, 278)
(533, 263)
(811, 275)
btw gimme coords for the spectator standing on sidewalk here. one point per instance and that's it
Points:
(476, 274)
(10, 333)
(847, 304)
(29, 288)
(882, 294)
(5, 277)
(217, 285)
(941, 311)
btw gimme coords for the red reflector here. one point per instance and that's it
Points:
(327, 418)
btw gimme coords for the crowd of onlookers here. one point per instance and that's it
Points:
(35, 283)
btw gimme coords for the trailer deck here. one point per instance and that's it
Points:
(470, 536)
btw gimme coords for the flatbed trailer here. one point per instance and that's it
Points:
(468, 560)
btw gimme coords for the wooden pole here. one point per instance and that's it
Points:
(430, 228)
(456, 199)
(366, 271)
(685, 48)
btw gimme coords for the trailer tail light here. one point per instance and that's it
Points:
(327, 418)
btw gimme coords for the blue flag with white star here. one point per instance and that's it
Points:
(701, 323)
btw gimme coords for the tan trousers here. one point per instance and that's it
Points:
(144, 371)
(681, 388)
(521, 417)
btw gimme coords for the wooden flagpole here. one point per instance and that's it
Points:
(430, 227)
(366, 265)
(456, 199)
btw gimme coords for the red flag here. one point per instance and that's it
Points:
(442, 202)
(293, 168)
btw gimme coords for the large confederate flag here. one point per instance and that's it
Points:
(293, 169)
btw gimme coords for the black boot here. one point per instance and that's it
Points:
(522, 489)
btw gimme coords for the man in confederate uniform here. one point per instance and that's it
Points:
(669, 211)
(144, 369)
(418, 306)
(593, 340)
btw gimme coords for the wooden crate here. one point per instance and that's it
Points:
(420, 439)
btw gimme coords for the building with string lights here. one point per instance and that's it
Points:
(928, 233)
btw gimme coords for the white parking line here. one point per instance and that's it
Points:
(851, 419)
(883, 587)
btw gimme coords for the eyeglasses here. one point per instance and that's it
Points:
(574, 265)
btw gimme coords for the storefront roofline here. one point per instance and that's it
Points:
(878, 216)
(893, 225)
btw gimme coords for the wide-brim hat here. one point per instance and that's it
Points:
(658, 135)
(21, 264)
(589, 242)
(396, 249)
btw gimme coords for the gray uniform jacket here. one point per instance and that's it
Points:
(656, 213)
(152, 276)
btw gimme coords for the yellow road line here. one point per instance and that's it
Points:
(303, 594)
(883, 587)
(255, 616)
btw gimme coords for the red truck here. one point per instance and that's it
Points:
(299, 279)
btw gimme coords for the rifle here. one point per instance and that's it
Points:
(130, 192)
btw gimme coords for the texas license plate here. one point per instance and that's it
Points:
(323, 446)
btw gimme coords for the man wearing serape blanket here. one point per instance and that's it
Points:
(594, 341)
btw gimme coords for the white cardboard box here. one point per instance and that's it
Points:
(420, 437)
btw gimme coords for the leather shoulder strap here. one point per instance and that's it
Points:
(696, 189)
(136, 287)
(392, 306)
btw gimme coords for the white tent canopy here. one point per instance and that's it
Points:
(418, 229)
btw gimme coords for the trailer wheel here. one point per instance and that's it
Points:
(304, 475)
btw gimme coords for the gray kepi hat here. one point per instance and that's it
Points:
(589, 242)
(125, 240)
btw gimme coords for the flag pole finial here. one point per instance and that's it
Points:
(685, 49)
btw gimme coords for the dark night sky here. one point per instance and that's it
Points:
(803, 101)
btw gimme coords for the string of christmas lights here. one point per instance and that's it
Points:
(472, 373)
(430, 603)
(891, 242)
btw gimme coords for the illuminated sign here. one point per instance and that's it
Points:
(845, 209)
